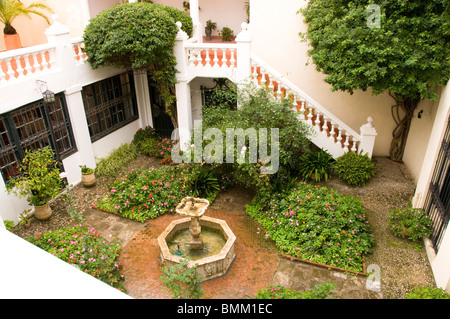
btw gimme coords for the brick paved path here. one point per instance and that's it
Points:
(253, 268)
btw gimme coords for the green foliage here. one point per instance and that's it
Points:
(427, 293)
(71, 205)
(320, 291)
(316, 164)
(407, 55)
(259, 110)
(211, 25)
(226, 33)
(144, 194)
(412, 223)
(39, 179)
(85, 249)
(137, 36)
(23, 217)
(315, 223)
(183, 281)
(354, 169)
(117, 160)
(222, 98)
(201, 182)
(150, 143)
(11, 9)
(86, 170)
(9, 224)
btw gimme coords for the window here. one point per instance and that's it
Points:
(110, 104)
(32, 127)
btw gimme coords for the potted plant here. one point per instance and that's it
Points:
(209, 27)
(87, 176)
(25, 221)
(226, 33)
(39, 181)
(11, 9)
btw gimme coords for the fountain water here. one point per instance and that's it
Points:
(208, 242)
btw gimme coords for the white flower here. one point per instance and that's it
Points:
(63, 175)
(244, 148)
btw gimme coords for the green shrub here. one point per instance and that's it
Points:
(85, 249)
(135, 36)
(9, 224)
(412, 223)
(427, 293)
(354, 169)
(144, 134)
(259, 110)
(117, 160)
(226, 33)
(201, 182)
(320, 291)
(143, 194)
(182, 281)
(316, 223)
(316, 165)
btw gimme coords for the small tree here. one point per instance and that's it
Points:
(139, 36)
(396, 46)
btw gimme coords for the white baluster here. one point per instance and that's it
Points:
(216, 59)
(339, 137)
(10, 71)
(325, 124)
(20, 69)
(207, 59)
(36, 65)
(346, 143)
(199, 59)
(44, 62)
(332, 132)
(294, 103)
(279, 93)
(263, 76)
(255, 73)
(317, 121)
(354, 148)
(310, 116)
(232, 59)
(302, 109)
(270, 87)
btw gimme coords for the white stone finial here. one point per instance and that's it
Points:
(369, 122)
(179, 24)
(244, 26)
(55, 18)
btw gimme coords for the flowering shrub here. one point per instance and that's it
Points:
(39, 180)
(320, 291)
(427, 293)
(318, 224)
(85, 249)
(409, 222)
(150, 143)
(144, 194)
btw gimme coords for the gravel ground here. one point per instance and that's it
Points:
(402, 265)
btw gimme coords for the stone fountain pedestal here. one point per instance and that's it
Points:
(209, 267)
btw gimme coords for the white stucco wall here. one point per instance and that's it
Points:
(275, 27)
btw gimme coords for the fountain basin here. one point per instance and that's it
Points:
(209, 267)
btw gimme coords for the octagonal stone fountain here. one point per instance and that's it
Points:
(206, 241)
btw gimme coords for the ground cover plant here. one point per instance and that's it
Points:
(320, 291)
(149, 142)
(141, 194)
(85, 249)
(116, 160)
(411, 223)
(317, 224)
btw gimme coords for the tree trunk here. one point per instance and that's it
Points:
(403, 121)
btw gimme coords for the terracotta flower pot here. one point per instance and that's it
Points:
(12, 41)
(88, 179)
(42, 212)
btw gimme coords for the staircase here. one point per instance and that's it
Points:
(235, 62)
